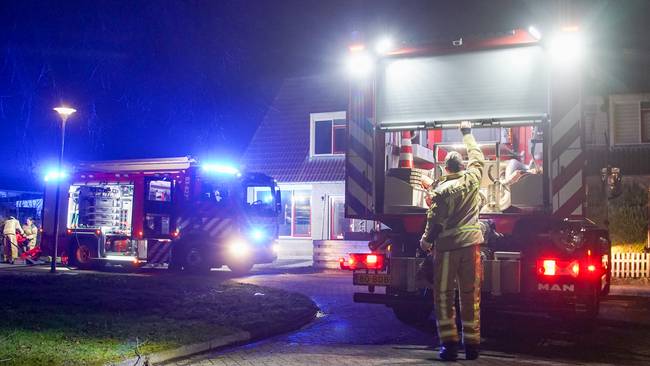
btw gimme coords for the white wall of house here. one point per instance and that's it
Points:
(322, 194)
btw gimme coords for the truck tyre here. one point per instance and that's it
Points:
(241, 268)
(413, 314)
(194, 259)
(82, 256)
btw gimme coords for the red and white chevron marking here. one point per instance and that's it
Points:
(567, 156)
(359, 167)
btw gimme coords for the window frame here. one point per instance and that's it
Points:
(644, 135)
(325, 116)
(639, 100)
(292, 189)
(332, 201)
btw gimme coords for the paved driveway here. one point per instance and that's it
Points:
(360, 334)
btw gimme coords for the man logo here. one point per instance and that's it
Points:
(555, 287)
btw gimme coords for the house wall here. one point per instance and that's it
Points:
(302, 248)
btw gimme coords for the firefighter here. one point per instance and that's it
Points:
(452, 221)
(31, 233)
(11, 244)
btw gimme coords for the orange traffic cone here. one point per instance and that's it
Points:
(406, 151)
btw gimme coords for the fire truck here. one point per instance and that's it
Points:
(170, 211)
(522, 94)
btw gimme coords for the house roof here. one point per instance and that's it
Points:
(280, 146)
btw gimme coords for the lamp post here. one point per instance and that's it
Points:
(64, 114)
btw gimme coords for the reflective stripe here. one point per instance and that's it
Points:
(443, 284)
(448, 334)
(471, 324)
(474, 337)
(443, 322)
(461, 229)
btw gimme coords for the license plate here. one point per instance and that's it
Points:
(379, 279)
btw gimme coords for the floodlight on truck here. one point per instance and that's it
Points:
(359, 64)
(567, 45)
(533, 31)
(384, 45)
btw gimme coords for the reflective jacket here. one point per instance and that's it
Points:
(11, 226)
(456, 203)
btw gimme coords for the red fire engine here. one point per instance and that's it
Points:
(523, 97)
(163, 211)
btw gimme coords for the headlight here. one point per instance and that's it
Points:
(275, 248)
(239, 249)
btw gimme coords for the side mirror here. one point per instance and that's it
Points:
(278, 201)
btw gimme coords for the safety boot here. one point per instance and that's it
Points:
(449, 351)
(471, 351)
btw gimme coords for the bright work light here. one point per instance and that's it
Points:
(567, 45)
(359, 64)
(533, 31)
(384, 45)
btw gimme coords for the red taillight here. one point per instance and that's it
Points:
(548, 267)
(69, 231)
(98, 232)
(574, 268)
(363, 261)
(591, 268)
(176, 233)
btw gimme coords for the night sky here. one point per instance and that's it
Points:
(173, 78)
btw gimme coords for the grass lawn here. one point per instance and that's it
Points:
(92, 319)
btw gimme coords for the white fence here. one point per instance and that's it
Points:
(630, 265)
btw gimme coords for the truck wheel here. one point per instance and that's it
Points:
(82, 256)
(413, 314)
(240, 268)
(194, 260)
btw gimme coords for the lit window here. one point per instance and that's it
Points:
(328, 133)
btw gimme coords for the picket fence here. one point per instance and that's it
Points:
(631, 265)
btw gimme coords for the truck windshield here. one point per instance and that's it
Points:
(261, 199)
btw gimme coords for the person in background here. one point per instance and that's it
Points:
(31, 233)
(11, 226)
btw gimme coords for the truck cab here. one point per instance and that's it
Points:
(154, 212)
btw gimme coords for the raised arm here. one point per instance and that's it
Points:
(474, 153)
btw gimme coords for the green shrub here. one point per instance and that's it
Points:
(628, 215)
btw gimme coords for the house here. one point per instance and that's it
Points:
(301, 143)
(618, 133)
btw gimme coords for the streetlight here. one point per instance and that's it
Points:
(64, 114)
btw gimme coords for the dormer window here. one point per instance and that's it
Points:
(327, 134)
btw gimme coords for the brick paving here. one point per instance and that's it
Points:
(362, 334)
